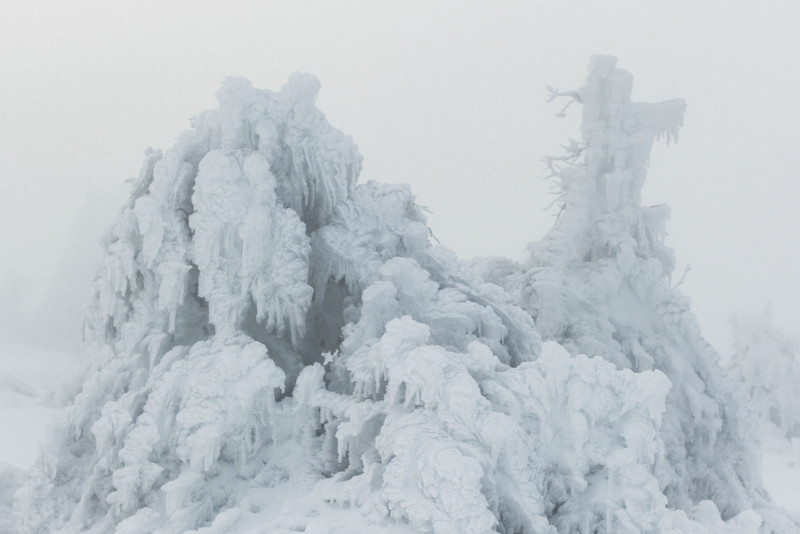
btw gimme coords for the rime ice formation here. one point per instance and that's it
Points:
(279, 350)
(599, 284)
(766, 360)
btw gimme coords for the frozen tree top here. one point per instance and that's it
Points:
(601, 177)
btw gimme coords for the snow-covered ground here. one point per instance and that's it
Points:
(34, 383)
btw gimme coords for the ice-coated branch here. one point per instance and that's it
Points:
(573, 97)
(599, 284)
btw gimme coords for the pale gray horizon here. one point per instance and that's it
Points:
(448, 97)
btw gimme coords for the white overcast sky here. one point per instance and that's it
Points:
(446, 96)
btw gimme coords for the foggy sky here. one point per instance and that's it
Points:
(446, 96)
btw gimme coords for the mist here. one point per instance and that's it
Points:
(442, 96)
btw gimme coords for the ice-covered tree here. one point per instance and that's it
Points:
(278, 349)
(242, 257)
(600, 284)
(766, 360)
